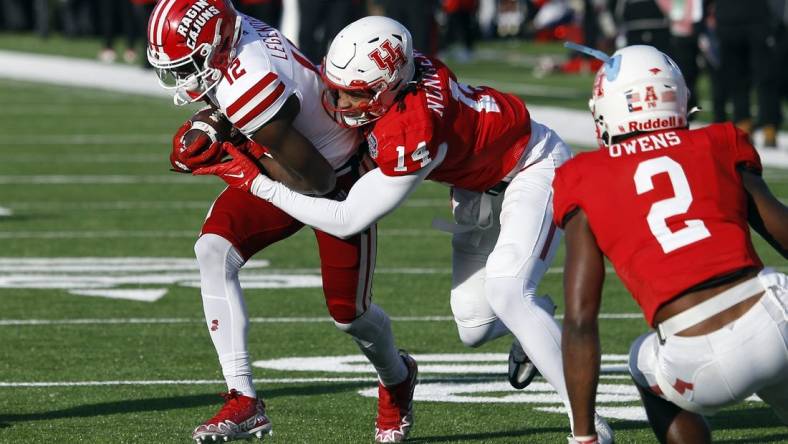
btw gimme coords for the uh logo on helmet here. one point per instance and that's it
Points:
(190, 44)
(639, 88)
(372, 55)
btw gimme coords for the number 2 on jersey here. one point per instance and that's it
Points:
(663, 209)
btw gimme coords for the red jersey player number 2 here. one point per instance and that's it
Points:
(669, 240)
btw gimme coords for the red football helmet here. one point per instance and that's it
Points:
(190, 44)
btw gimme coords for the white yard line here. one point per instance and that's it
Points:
(370, 380)
(165, 205)
(137, 234)
(269, 320)
(86, 139)
(103, 179)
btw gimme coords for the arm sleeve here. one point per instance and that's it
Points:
(565, 198)
(373, 196)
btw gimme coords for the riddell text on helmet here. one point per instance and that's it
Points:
(193, 21)
(654, 124)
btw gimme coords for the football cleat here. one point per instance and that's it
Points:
(521, 370)
(241, 417)
(395, 406)
(604, 433)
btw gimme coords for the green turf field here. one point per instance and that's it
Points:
(96, 213)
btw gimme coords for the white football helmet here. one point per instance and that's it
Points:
(374, 55)
(638, 89)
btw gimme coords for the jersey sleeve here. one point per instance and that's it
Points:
(565, 192)
(744, 153)
(257, 97)
(402, 150)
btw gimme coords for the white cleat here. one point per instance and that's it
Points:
(604, 432)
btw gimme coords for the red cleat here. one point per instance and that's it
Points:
(241, 417)
(395, 406)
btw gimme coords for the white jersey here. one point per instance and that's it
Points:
(267, 70)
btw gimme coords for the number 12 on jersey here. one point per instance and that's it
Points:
(695, 229)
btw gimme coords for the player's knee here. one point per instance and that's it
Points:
(343, 312)
(505, 261)
(357, 326)
(632, 363)
(211, 249)
(474, 336)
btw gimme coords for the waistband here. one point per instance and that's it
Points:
(709, 308)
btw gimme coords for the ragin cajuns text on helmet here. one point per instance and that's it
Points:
(190, 43)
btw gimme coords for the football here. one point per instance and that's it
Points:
(208, 126)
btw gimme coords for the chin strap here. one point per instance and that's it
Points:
(589, 439)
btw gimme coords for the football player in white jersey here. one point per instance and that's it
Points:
(205, 50)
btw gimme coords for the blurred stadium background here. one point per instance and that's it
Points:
(101, 329)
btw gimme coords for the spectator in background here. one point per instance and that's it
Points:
(641, 22)
(269, 11)
(41, 17)
(780, 10)
(79, 17)
(461, 27)
(709, 45)
(419, 17)
(321, 20)
(747, 31)
(16, 14)
(142, 10)
(117, 16)
(685, 17)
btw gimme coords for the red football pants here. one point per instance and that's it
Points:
(251, 224)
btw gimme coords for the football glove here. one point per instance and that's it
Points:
(238, 172)
(185, 159)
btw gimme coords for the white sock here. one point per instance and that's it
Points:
(225, 310)
(532, 325)
(372, 332)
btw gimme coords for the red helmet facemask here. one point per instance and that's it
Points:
(191, 43)
(358, 115)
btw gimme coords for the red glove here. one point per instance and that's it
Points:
(254, 149)
(239, 172)
(184, 159)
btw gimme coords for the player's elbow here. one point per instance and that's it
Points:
(349, 230)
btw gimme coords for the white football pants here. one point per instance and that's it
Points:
(497, 265)
(704, 373)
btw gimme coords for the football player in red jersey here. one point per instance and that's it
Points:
(421, 123)
(669, 207)
(248, 71)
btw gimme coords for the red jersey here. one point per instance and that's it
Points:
(667, 208)
(485, 131)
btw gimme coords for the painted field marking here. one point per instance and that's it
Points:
(102, 179)
(254, 320)
(122, 205)
(466, 378)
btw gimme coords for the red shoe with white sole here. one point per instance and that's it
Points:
(395, 406)
(241, 417)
